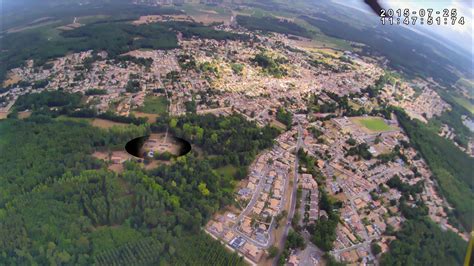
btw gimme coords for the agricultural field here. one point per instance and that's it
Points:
(374, 124)
(465, 103)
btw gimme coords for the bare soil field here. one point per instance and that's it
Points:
(151, 117)
(11, 79)
(24, 114)
(158, 143)
(102, 123)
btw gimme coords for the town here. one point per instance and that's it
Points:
(358, 163)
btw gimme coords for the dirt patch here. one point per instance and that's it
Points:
(162, 142)
(24, 114)
(101, 155)
(69, 26)
(11, 79)
(207, 19)
(151, 117)
(103, 123)
(3, 115)
(115, 159)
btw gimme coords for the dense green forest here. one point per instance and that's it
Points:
(59, 205)
(454, 175)
(234, 139)
(271, 24)
(422, 242)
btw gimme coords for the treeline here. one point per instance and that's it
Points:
(270, 24)
(454, 175)
(95, 92)
(48, 99)
(56, 103)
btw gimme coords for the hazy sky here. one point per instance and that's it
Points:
(459, 34)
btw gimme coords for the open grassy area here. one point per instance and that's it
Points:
(465, 103)
(155, 105)
(227, 171)
(96, 122)
(376, 124)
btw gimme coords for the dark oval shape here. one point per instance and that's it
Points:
(135, 145)
(147, 146)
(185, 146)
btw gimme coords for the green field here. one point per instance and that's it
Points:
(227, 171)
(373, 123)
(465, 103)
(155, 105)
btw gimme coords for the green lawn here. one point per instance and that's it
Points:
(155, 105)
(373, 123)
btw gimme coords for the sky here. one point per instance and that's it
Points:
(462, 35)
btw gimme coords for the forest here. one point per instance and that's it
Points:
(422, 242)
(454, 176)
(60, 205)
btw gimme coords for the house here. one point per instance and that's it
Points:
(252, 252)
(216, 227)
(229, 236)
(274, 204)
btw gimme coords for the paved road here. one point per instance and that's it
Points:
(291, 213)
(249, 207)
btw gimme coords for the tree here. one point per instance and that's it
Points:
(272, 251)
(376, 249)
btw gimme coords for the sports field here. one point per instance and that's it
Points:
(376, 124)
